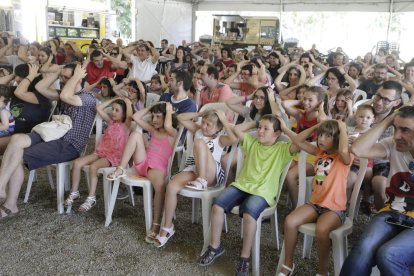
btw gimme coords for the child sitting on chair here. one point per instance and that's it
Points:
(255, 189)
(108, 151)
(327, 205)
(151, 162)
(203, 167)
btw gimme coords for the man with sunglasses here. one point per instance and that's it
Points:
(388, 241)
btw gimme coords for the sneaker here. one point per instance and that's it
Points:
(122, 193)
(242, 268)
(210, 255)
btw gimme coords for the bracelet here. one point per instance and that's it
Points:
(26, 78)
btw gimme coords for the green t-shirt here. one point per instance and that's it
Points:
(262, 168)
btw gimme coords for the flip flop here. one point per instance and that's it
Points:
(199, 184)
(7, 213)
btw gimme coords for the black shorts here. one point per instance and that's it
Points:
(381, 169)
(41, 153)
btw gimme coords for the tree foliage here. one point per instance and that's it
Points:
(123, 19)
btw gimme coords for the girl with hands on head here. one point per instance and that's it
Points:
(151, 162)
(202, 167)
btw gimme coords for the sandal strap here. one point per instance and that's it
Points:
(287, 268)
(72, 196)
(88, 204)
(6, 210)
(168, 230)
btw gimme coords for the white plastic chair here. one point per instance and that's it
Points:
(134, 180)
(206, 197)
(339, 235)
(357, 94)
(268, 212)
(151, 99)
(358, 103)
(62, 179)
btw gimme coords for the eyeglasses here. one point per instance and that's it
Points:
(386, 101)
(331, 79)
(261, 98)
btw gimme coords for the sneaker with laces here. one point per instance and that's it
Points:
(242, 268)
(210, 255)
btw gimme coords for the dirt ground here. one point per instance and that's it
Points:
(39, 241)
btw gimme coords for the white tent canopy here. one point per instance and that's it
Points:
(179, 19)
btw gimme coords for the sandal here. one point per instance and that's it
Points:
(71, 198)
(199, 184)
(7, 213)
(88, 204)
(114, 175)
(152, 236)
(161, 241)
(289, 269)
(210, 255)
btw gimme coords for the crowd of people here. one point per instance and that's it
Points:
(336, 109)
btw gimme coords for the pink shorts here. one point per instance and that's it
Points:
(143, 167)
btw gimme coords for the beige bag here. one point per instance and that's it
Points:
(54, 129)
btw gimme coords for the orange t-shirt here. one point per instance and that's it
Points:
(329, 182)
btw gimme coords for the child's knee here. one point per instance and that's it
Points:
(217, 209)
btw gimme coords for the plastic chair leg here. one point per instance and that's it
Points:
(29, 185)
(50, 177)
(281, 259)
(60, 186)
(256, 248)
(226, 227)
(107, 193)
(111, 205)
(338, 253)
(206, 212)
(147, 194)
(275, 228)
(195, 206)
(131, 195)
(307, 245)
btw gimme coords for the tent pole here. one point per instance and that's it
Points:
(279, 39)
(390, 15)
(194, 8)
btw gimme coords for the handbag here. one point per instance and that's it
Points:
(54, 129)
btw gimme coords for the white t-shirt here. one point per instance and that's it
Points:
(400, 181)
(143, 70)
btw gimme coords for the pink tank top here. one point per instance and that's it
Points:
(158, 153)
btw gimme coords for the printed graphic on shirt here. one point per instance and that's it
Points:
(322, 169)
(401, 192)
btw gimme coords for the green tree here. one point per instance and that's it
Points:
(123, 19)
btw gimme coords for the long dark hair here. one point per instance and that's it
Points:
(266, 109)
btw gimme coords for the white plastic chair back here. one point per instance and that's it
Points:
(358, 103)
(358, 93)
(151, 99)
(52, 109)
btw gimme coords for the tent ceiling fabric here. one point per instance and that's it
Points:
(304, 5)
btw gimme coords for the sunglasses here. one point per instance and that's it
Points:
(401, 223)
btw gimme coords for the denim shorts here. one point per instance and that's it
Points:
(322, 210)
(41, 153)
(250, 204)
(381, 169)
